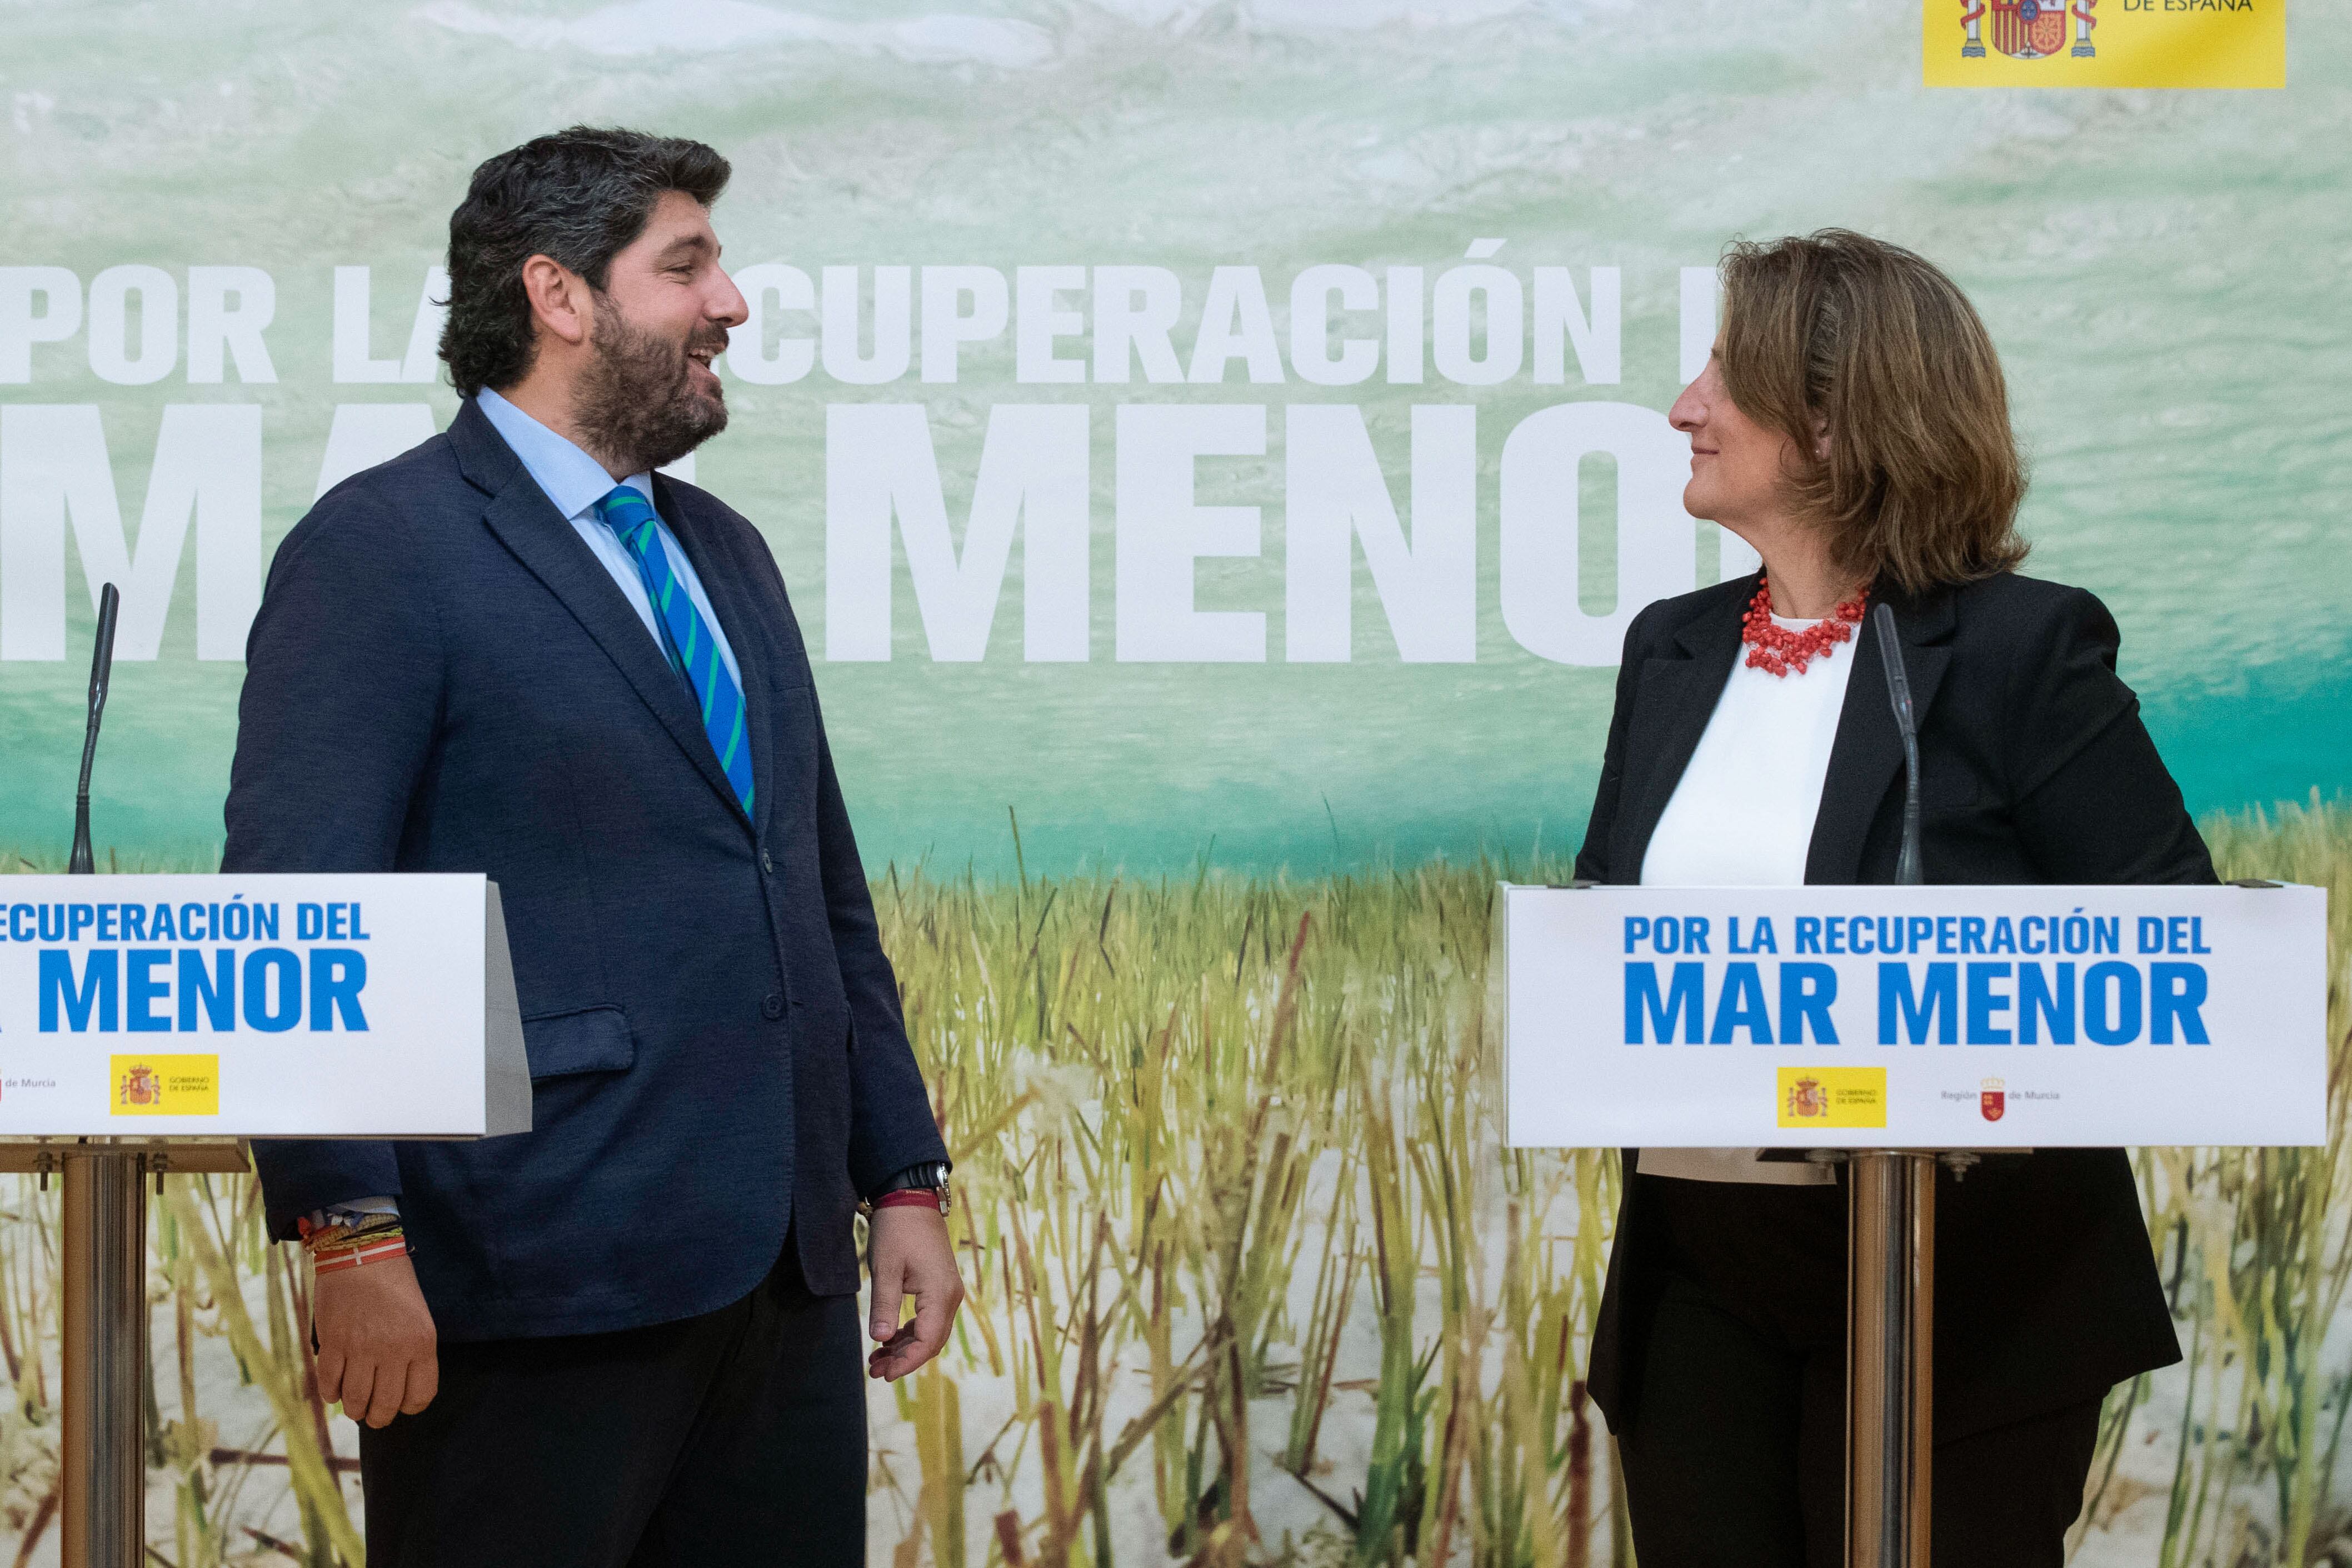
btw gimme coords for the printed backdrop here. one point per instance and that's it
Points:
(1215, 447)
(2158, 269)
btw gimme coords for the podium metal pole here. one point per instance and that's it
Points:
(104, 1451)
(1890, 1357)
(1890, 1340)
(105, 1332)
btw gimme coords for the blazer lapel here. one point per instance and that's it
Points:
(747, 635)
(527, 523)
(1671, 703)
(1866, 759)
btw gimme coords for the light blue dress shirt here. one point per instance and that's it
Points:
(575, 482)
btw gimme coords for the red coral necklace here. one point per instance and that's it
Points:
(1776, 650)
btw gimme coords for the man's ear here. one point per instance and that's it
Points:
(559, 298)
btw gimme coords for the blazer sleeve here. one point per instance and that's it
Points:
(2092, 800)
(1592, 858)
(890, 1124)
(342, 692)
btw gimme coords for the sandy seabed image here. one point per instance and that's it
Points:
(1252, 1278)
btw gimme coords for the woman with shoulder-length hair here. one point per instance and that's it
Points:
(1852, 427)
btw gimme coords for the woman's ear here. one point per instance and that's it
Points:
(1820, 437)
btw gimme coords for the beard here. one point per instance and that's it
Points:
(637, 405)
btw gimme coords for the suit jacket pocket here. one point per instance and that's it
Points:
(590, 1039)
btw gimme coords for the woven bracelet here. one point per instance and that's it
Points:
(910, 1197)
(375, 1249)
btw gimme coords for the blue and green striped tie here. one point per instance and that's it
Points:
(685, 637)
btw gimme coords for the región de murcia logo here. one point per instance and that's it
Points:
(2030, 29)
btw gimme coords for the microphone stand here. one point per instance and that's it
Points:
(103, 1449)
(101, 669)
(1891, 1273)
(1908, 870)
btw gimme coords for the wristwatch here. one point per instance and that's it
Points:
(931, 1177)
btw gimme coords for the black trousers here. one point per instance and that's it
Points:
(1734, 1453)
(736, 1436)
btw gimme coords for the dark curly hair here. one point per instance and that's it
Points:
(578, 196)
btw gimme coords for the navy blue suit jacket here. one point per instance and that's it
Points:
(443, 678)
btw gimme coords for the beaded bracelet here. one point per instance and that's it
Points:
(372, 1239)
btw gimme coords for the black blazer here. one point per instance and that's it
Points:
(2034, 767)
(443, 678)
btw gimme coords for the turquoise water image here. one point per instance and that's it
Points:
(2160, 269)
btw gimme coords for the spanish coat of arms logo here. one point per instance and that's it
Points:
(1807, 1098)
(141, 1086)
(1992, 1100)
(2029, 29)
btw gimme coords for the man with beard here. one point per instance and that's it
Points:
(630, 1335)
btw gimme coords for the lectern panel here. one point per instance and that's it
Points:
(1914, 1017)
(139, 1006)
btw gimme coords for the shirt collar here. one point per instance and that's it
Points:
(573, 479)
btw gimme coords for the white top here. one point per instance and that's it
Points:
(1742, 816)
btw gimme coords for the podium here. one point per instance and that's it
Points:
(156, 1025)
(1893, 1027)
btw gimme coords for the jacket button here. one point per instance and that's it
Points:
(767, 865)
(771, 1006)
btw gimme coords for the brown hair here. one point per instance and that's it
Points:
(1922, 482)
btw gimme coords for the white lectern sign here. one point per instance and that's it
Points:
(313, 1006)
(1914, 1017)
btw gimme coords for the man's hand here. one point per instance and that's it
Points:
(375, 1342)
(912, 1256)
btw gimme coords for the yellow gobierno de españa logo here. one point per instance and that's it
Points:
(2103, 43)
(1832, 1097)
(165, 1086)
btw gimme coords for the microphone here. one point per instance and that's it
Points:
(102, 666)
(1908, 870)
